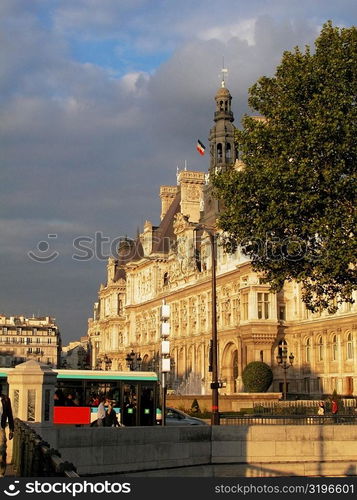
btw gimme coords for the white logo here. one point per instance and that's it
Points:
(13, 491)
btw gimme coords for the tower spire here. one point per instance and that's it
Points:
(224, 71)
(222, 145)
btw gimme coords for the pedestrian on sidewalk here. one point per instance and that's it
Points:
(111, 419)
(5, 416)
(321, 410)
(334, 410)
(101, 412)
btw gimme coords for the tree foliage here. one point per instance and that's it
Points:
(257, 377)
(292, 207)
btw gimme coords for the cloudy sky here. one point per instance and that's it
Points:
(101, 100)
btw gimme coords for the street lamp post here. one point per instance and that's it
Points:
(133, 361)
(107, 362)
(282, 360)
(165, 355)
(214, 342)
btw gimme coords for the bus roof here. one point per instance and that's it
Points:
(96, 374)
(106, 375)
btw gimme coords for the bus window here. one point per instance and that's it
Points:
(129, 404)
(72, 387)
(133, 395)
(97, 389)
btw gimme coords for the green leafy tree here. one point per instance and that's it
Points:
(292, 207)
(257, 377)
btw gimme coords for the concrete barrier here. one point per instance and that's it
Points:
(258, 450)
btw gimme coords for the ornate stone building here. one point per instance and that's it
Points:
(22, 339)
(76, 355)
(172, 261)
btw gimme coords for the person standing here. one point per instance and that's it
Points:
(101, 413)
(111, 419)
(58, 398)
(69, 400)
(321, 410)
(5, 416)
(334, 410)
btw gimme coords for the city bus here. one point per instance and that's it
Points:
(134, 395)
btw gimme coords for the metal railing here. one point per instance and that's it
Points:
(347, 404)
(230, 419)
(33, 457)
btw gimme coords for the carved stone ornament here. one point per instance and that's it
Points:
(193, 193)
(181, 223)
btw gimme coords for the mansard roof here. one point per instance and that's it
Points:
(164, 235)
(128, 251)
(120, 274)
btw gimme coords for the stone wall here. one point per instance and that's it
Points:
(227, 403)
(258, 450)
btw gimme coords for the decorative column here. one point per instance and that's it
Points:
(31, 389)
(239, 380)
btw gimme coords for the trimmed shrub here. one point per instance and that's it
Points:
(257, 377)
(195, 407)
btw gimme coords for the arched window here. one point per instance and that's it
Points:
(349, 349)
(334, 348)
(120, 305)
(308, 350)
(235, 371)
(219, 152)
(228, 151)
(320, 349)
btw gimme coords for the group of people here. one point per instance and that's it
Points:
(334, 408)
(106, 416)
(60, 400)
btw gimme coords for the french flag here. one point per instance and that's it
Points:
(200, 148)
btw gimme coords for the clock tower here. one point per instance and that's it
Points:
(221, 139)
(223, 151)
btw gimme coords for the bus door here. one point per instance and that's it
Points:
(130, 405)
(147, 406)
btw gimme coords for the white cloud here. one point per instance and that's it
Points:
(93, 18)
(84, 150)
(135, 82)
(244, 30)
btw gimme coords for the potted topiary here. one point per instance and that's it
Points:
(195, 407)
(257, 377)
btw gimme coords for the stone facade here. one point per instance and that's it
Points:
(76, 355)
(172, 261)
(23, 339)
